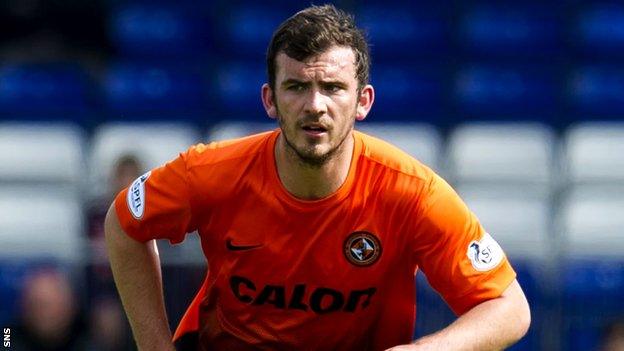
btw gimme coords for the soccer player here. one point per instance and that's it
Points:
(312, 232)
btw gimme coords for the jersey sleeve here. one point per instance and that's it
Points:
(157, 204)
(460, 259)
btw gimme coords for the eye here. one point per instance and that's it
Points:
(332, 88)
(295, 87)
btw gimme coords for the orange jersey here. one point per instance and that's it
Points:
(331, 274)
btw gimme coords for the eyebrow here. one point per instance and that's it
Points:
(291, 81)
(324, 82)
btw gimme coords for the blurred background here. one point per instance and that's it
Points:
(519, 104)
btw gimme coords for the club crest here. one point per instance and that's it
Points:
(362, 248)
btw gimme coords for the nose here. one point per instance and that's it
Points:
(315, 104)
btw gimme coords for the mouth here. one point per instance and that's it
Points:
(314, 129)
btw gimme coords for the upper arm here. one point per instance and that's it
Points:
(460, 259)
(157, 204)
(517, 298)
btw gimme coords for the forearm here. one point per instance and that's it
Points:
(491, 325)
(136, 270)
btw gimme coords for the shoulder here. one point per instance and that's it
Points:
(392, 159)
(225, 152)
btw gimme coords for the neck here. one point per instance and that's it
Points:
(312, 182)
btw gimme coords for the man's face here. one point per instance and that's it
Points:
(316, 102)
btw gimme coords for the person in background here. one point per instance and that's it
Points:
(125, 170)
(107, 326)
(613, 339)
(50, 318)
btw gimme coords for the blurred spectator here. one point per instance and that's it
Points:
(614, 337)
(50, 319)
(126, 169)
(100, 278)
(107, 326)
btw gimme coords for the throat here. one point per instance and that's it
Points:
(307, 181)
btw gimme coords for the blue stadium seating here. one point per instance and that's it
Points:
(45, 91)
(596, 91)
(133, 91)
(592, 298)
(410, 93)
(599, 30)
(516, 92)
(518, 31)
(404, 31)
(149, 31)
(246, 29)
(237, 88)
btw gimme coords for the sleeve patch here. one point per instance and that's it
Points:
(136, 196)
(485, 254)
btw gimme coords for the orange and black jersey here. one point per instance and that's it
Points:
(336, 273)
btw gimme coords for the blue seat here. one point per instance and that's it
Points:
(411, 93)
(514, 32)
(237, 88)
(592, 297)
(132, 90)
(246, 29)
(404, 31)
(44, 89)
(600, 30)
(526, 92)
(160, 31)
(596, 91)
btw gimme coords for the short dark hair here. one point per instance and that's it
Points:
(312, 31)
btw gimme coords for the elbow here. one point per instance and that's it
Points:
(524, 322)
(523, 319)
(519, 312)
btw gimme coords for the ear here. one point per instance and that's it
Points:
(268, 101)
(365, 102)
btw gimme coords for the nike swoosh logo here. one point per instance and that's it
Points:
(232, 247)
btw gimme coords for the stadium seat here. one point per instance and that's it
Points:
(233, 130)
(599, 30)
(594, 154)
(506, 92)
(59, 90)
(245, 29)
(152, 143)
(133, 89)
(592, 222)
(39, 222)
(518, 31)
(404, 31)
(596, 91)
(408, 93)
(157, 31)
(237, 87)
(421, 141)
(42, 153)
(503, 155)
(591, 225)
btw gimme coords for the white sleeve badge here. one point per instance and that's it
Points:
(136, 196)
(485, 254)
